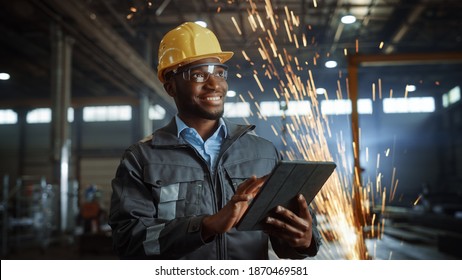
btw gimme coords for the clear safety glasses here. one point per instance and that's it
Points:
(200, 73)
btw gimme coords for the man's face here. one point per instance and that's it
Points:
(203, 100)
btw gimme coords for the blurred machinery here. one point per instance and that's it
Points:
(31, 214)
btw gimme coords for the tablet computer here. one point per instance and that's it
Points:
(286, 181)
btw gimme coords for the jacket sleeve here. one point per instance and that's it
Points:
(136, 230)
(283, 250)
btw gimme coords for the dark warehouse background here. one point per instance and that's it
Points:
(99, 58)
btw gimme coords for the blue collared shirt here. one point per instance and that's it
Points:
(209, 149)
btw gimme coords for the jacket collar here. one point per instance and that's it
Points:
(167, 135)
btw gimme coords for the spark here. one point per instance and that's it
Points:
(246, 57)
(258, 82)
(417, 200)
(236, 25)
(380, 88)
(373, 91)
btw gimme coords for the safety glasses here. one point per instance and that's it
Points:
(200, 73)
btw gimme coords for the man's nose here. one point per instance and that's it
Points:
(214, 81)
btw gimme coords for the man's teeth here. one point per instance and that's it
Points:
(213, 98)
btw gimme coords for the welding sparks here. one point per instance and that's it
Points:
(236, 25)
(343, 204)
(417, 200)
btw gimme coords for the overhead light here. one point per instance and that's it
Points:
(321, 90)
(231, 93)
(4, 76)
(331, 64)
(410, 88)
(348, 19)
(201, 23)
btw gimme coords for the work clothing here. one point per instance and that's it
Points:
(163, 189)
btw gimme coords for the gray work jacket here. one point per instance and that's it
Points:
(163, 189)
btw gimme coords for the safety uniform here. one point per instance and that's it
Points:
(163, 189)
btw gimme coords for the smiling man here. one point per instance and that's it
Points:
(179, 193)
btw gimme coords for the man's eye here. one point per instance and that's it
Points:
(198, 75)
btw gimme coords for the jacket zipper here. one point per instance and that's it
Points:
(221, 240)
(220, 174)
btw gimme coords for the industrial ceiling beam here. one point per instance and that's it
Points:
(115, 46)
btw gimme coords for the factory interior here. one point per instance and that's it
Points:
(374, 85)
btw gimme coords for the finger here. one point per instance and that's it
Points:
(281, 227)
(300, 223)
(292, 240)
(251, 185)
(245, 185)
(241, 197)
(292, 235)
(304, 211)
(255, 186)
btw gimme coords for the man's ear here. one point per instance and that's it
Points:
(169, 87)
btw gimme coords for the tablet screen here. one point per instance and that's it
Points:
(286, 181)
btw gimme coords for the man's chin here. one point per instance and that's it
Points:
(213, 116)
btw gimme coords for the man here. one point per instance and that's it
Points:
(179, 193)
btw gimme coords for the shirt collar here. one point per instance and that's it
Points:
(182, 126)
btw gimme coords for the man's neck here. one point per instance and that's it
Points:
(204, 127)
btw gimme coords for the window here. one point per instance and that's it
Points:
(451, 97)
(8, 116)
(237, 110)
(156, 112)
(39, 115)
(278, 108)
(343, 106)
(107, 113)
(43, 115)
(409, 105)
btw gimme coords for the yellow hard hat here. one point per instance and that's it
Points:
(185, 44)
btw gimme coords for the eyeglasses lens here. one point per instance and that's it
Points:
(201, 73)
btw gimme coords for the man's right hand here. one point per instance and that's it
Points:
(231, 213)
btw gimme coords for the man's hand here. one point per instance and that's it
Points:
(230, 215)
(295, 229)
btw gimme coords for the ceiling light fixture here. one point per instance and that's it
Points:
(348, 19)
(4, 76)
(321, 90)
(331, 64)
(231, 93)
(410, 88)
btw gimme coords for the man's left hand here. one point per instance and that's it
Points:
(295, 229)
